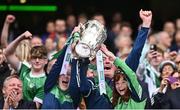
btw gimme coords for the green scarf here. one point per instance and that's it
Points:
(62, 96)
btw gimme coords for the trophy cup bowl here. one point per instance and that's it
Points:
(92, 35)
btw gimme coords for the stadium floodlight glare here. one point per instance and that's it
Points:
(28, 8)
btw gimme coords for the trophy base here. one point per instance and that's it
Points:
(82, 50)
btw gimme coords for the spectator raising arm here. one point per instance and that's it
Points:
(133, 58)
(10, 50)
(4, 35)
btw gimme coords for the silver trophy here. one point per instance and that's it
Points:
(92, 35)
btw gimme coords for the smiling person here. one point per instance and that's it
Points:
(33, 78)
(13, 93)
(58, 97)
(89, 88)
(56, 87)
(133, 57)
(167, 69)
(127, 93)
(170, 99)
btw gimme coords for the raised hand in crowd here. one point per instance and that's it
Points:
(4, 35)
(26, 35)
(151, 54)
(109, 54)
(10, 19)
(146, 17)
(10, 50)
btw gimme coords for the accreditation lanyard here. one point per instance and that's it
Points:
(100, 71)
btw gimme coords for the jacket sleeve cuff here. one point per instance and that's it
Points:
(144, 28)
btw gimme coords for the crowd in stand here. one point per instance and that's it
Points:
(139, 74)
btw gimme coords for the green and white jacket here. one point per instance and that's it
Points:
(135, 101)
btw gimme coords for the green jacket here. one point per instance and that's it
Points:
(136, 90)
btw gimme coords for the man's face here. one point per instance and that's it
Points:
(50, 27)
(124, 42)
(121, 86)
(169, 27)
(71, 21)
(64, 80)
(49, 44)
(15, 85)
(155, 61)
(35, 41)
(60, 26)
(165, 39)
(109, 68)
(126, 31)
(38, 63)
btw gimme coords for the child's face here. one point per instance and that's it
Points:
(121, 86)
(64, 80)
(38, 63)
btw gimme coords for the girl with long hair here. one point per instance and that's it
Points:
(127, 92)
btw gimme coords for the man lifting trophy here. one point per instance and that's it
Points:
(89, 39)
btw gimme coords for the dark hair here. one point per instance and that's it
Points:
(116, 95)
(38, 52)
(173, 66)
